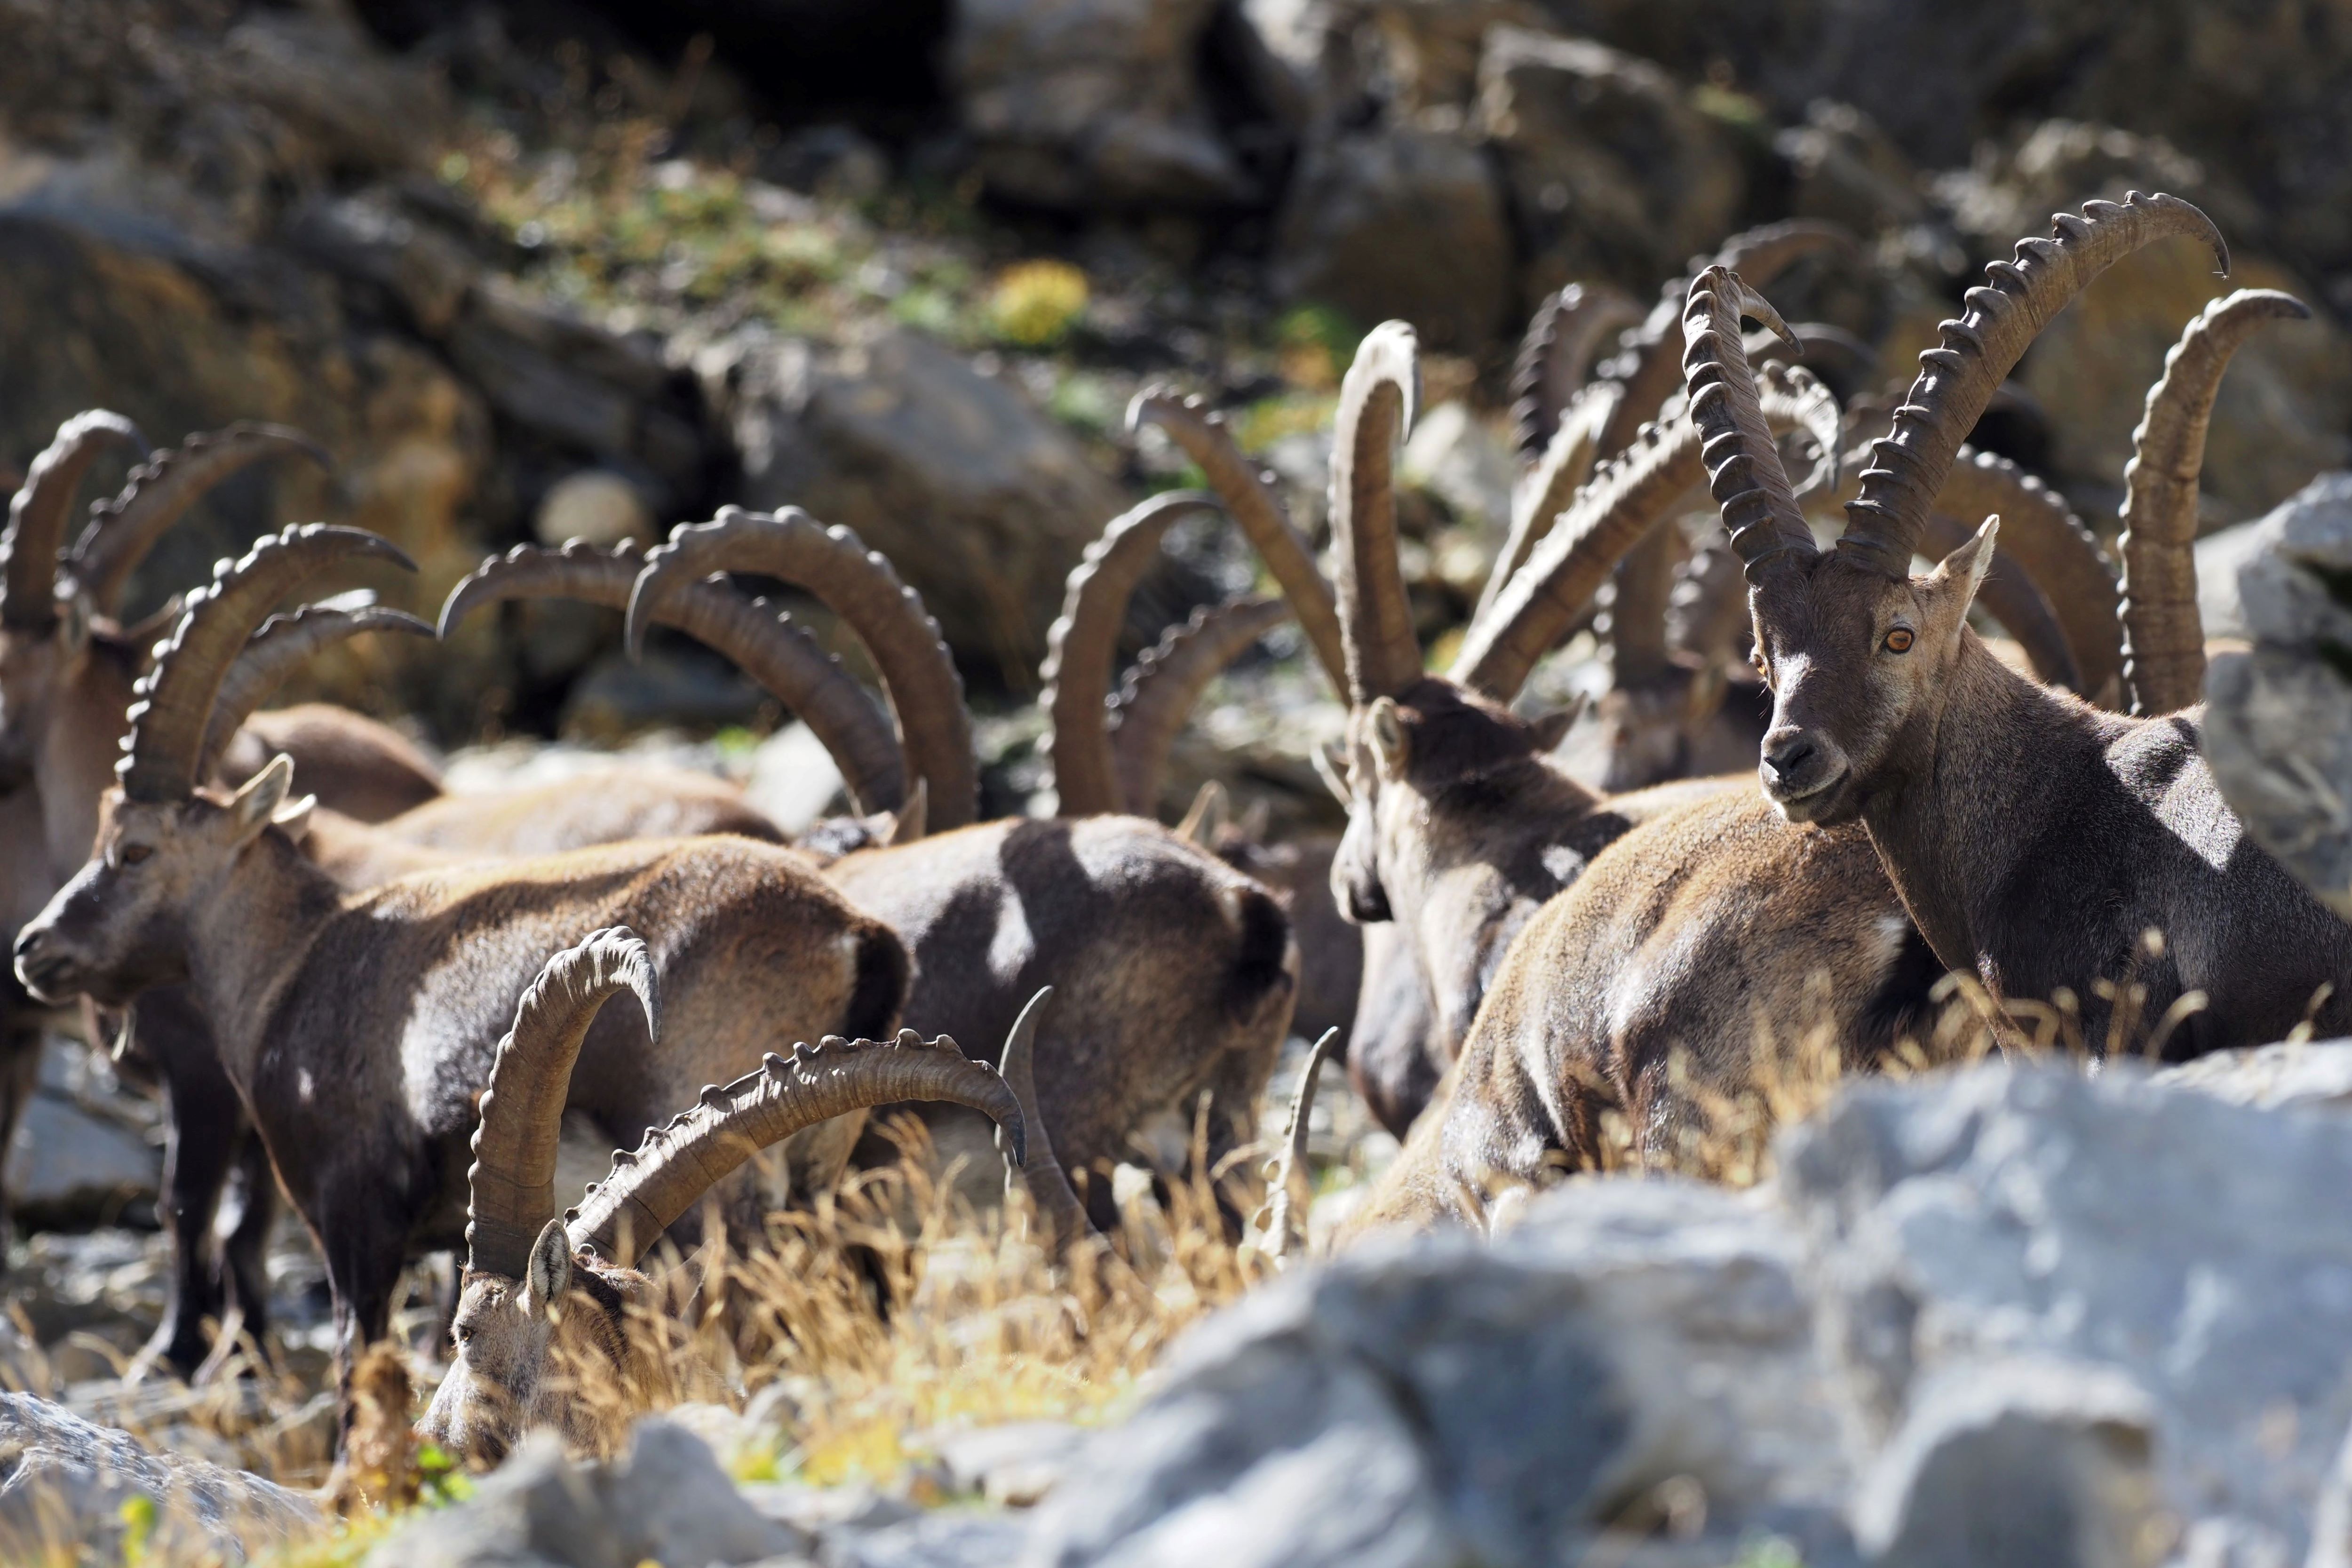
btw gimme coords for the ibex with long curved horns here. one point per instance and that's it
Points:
(553, 1322)
(357, 1026)
(994, 911)
(2035, 841)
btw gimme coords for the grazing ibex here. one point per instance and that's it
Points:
(1177, 973)
(2036, 841)
(358, 1026)
(556, 1328)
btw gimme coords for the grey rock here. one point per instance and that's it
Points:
(1400, 223)
(981, 503)
(2016, 1461)
(950, 1538)
(2317, 1074)
(2149, 1229)
(1440, 1401)
(1079, 103)
(1613, 173)
(665, 1500)
(1011, 1466)
(65, 1483)
(83, 1151)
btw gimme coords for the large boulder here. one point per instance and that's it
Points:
(2278, 717)
(1440, 1401)
(2154, 1231)
(1076, 104)
(1613, 172)
(73, 1491)
(981, 502)
(1400, 223)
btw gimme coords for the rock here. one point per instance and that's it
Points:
(2025, 1461)
(1844, 169)
(1387, 223)
(601, 508)
(794, 781)
(983, 504)
(1440, 1401)
(2146, 1229)
(1011, 1466)
(82, 1153)
(2288, 399)
(950, 1538)
(1084, 103)
(2278, 719)
(1612, 173)
(71, 1486)
(666, 1500)
(2317, 1074)
(619, 696)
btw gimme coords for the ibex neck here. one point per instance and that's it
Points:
(247, 934)
(1961, 815)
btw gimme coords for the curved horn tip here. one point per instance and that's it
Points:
(2212, 231)
(1392, 351)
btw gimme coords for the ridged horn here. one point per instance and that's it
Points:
(1743, 466)
(1631, 494)
(919, 676)
(282, 646)
(1081, 649)
(775, 651)
(1164, 685)
(1958, 377)
(624, 1215)
(40, 508)
(1208, 441)
(510, 1188)
(1060, 1215)
(2061, 555)
(174, 701)
(1377, 399)
(1545, 491)
(159, 493)
(1563, 340)
(1288, 1194)
(2163, 659)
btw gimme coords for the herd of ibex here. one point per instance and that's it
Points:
(384, 999)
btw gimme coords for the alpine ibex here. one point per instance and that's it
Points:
(66, 672)
(990, 912)
(357, 1026)
(554, 1324)
(1639, 991)
(2037, 842)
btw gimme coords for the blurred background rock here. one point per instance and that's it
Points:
(543, 267)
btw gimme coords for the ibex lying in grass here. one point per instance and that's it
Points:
(1639, 992)
(556, 1328)
(357, 1026)
(2036, 841)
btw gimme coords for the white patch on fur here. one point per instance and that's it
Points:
(1562, 863)
(1011, 946)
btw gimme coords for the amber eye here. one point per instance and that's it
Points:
(135, 853)
(1899, 641)
(465, 1334)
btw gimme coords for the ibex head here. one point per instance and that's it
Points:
(1857, 650)
(164, 847)
(555, 1327)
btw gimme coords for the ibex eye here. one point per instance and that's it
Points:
(135, 853)
(1899, 641)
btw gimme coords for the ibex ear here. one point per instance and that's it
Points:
(1550, 729)
(263, 793)
(1965, 568)
(908, 822)
(1387, 736)
(549, 1273)
(1210, 808)
(293, 818)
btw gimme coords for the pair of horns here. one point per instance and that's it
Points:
(124, 531)
(1957, 379)
(511, 1185)
(778, 652)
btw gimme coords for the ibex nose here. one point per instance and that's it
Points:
(1786, 756)
(26, 940)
